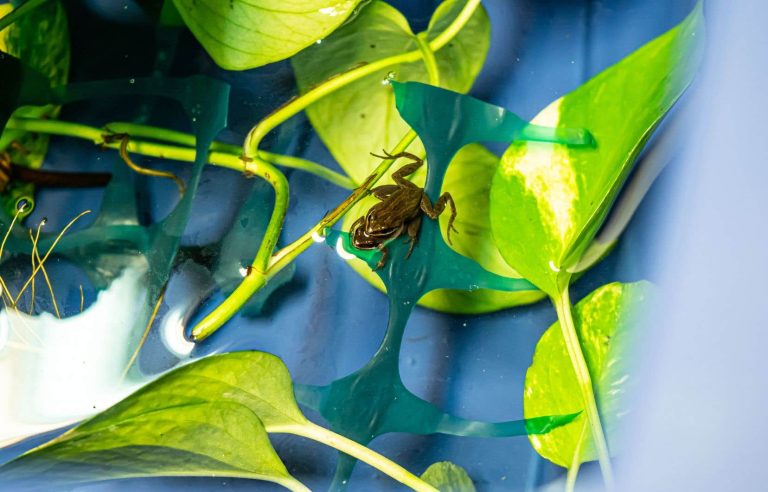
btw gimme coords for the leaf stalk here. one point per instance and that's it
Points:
(563, 307)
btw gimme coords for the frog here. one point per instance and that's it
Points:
(400, 210)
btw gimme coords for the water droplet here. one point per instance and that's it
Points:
(319, 41)
(389, 78)
(43, 221)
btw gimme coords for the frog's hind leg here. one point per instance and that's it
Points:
(399, 175)
(439, 207)
(413, 234)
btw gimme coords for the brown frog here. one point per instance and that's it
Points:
(400, 210)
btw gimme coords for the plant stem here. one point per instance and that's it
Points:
(19, 12)
(453, 29)
(292, 484)
(573, 470)
(429, 59)
(95, 135)
(362, 453)
(562, 304)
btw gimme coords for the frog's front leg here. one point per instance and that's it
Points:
(399, 175)
(439, 207)
(382, 247)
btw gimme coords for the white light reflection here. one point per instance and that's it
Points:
(342, 252)
(172, 333)
(56, 371)
(317, 237)
(5, 332)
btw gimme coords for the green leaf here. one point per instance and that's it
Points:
(40, 39)
(605, 323)
(448, 477)
(243, 34)
(208, 418)
(548, 200)
(468, 180)
(362, 118)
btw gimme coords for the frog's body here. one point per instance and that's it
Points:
(400, 210)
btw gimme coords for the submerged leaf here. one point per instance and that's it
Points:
(605, 323)
(548, 200)
(448, 477)
(362, 118)
(239, 34)
(208, 418)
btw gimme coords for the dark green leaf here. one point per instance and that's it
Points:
(241, 34)
(362, 118)
(548, 200)
(606, 326)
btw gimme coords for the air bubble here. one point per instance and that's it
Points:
(132, 81)
(22, 205)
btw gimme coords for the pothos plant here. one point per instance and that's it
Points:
(533, 213)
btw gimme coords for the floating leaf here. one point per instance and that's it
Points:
(240, 34)
(468, 180)
(548, 200)
(362, 118)
(448, 477)
(209, 418)
(605, 324)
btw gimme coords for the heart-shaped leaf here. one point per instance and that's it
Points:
(209, 418)
(448, 477)
(468, 180)
(548, 200)
(241, 34)
(606, 326)
(362, 118)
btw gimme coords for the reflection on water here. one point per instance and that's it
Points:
(57, 371)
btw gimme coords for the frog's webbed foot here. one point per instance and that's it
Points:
(434, 212)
